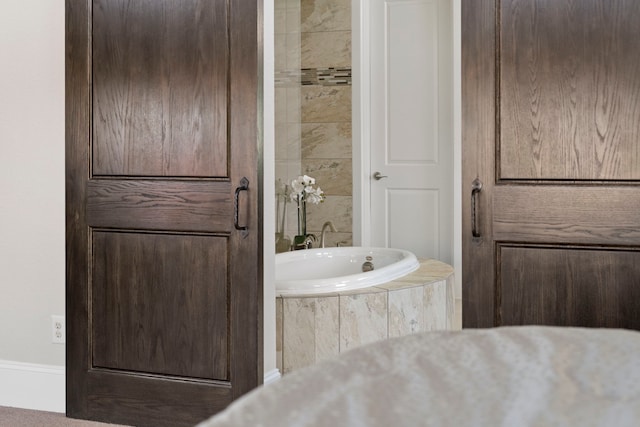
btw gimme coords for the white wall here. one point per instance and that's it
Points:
(32, 240)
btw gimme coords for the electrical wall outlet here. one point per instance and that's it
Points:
(57, 330)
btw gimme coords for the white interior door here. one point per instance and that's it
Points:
(411, 72)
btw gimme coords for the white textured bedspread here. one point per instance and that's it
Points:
(511, 376)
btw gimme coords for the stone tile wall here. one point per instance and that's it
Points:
(326, 112)
(313, 328)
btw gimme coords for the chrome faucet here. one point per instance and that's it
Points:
(307, 243)
(324, 230)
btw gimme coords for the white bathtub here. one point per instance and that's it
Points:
(321, 271)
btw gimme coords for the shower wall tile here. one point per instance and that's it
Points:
(298, 333)
(293, 142)
(327, 327)
(294, 104)
(280, 52)
(280, 21)
(326, 140)
(406, 311)
(363, 319)
(325, 49)
(326, 104)
(435, 306)
(294, 51)
(332, 239)
(337, 209)
(325, 15)
(334, 174)
(281, 145)
(280, 100)
(293, 19)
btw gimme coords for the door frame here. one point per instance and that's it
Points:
(361, 124)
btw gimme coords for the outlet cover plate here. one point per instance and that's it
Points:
(58, 332)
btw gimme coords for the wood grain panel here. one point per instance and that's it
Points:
(160, 88)
(569, 89)
(160, 304)
(160, 205)
(587, 287)
(574, 214)
(124, 390)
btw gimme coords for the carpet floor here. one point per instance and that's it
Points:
(15, 417)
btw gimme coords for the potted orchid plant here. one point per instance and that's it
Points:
(303, 191)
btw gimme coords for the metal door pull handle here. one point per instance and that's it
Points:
(476, 187)
(244, 186)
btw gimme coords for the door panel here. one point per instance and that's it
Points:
(569, 101)
(550, 124)
(164, 292)
(160, 88)
(421, 209)
(148, 310)
(581, 286)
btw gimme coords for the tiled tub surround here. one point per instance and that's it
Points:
(312, 328)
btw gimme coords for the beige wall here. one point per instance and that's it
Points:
(32, 276)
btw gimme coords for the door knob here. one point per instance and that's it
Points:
(378, 176)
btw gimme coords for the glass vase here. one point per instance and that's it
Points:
(302, 218)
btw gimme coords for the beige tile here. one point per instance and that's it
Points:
(327, 327)
(435, 306)
(280, 21)
(294, 105)
(450, 295)
(298, 343)
(322, 104)
(457, 321)
(280, 101)
(335, 175)
(281, 141)
(335, 208)
(363, 319)
(406, 311)
(280, 52)
(332, 239)
(325, 15)
(279, 326)
(293, 51)
(293, 142)
(326, 140)
(293, 20)
(325, 49)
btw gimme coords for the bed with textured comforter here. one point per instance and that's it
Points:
(510, 376)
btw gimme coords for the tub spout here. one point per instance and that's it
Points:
(331, 227)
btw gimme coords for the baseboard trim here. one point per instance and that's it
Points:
(32, 386)
(42, 387)
(271, 376)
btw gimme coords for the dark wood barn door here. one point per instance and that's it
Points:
(164, 261)
(551, 133)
